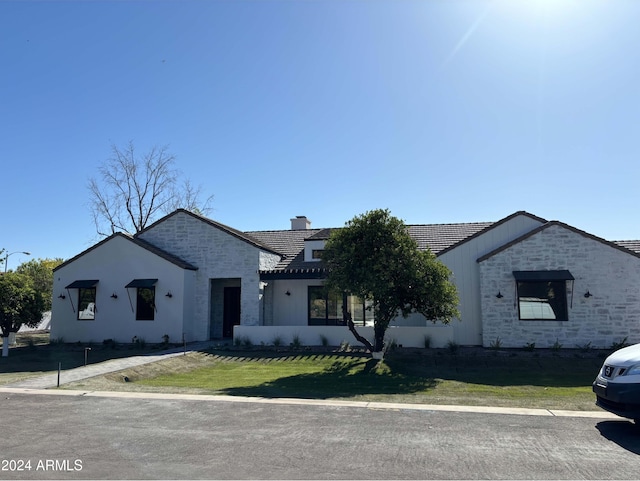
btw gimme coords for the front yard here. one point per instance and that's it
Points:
(548, 379)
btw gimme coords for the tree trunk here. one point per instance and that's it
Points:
(346, 316)
(379, 331)
(5, 346)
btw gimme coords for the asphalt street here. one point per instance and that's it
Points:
(75, 436)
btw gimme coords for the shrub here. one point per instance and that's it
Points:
(585, 347)
(277, 341)
(556, 345)
(324, 340)
(453, 347)
(296, 343)
(529, 346)
(497, 344)
(619, 345)
(427, 342)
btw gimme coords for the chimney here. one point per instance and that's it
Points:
(300, 222)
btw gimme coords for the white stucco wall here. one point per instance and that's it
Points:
(439, 335)
(610, 275)
(218, 255)
(115, 263)
(462, 261)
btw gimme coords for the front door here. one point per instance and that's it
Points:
(231, 310)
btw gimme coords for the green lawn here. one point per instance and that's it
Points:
(34, 355)
(514, 379)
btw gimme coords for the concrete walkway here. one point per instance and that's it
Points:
(51, 380)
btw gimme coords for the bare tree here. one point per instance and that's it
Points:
(134, 190)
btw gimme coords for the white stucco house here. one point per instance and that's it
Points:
(522, 279)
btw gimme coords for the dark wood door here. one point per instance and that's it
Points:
(231, 310)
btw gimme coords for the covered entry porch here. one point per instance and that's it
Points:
(225, 307)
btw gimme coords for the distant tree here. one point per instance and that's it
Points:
(134, 190)
(20, 303)
(374, 258)
(41, 273)
(2, 259)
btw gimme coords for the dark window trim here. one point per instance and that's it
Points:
(150, 314)
(564, 305)
(80, 312)
(331, 321)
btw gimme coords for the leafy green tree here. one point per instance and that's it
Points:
(20, 303)
(41, 273)
(375, 258)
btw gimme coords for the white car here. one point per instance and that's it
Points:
(617, 385)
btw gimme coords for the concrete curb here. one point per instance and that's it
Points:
(312, 402)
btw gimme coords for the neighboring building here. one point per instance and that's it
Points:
(522, 279)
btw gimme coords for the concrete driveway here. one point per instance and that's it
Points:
(104, 436)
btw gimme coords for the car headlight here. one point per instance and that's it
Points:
(633, 370)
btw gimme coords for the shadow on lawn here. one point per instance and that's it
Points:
(339, 380)
(406, 374)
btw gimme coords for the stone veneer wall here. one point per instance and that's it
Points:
(610, 275)
(218, 255)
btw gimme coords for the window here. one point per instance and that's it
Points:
(326, 309)
(316, 253)
(86, 298)
(86, 303)
(145, 298)
(542, 295)
(145, 303)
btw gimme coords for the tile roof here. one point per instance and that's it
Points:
(436, 237)
(632, 245)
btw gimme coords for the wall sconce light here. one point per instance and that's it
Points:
(288, 293)
(114, 296)
(587, 294)
(168, 294)
(62, 296)
(499, 295)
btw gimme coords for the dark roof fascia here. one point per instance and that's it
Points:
(140, 243)
(492, 226)
(563, 225)
(293, 274)
(225, 228)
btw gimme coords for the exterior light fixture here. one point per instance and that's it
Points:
(62, 296)
(114, 296)
(499, 295)
(587, 294)
(288, 293)
(169, 295)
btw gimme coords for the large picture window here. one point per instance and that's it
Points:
(542, 295)
(325, 309)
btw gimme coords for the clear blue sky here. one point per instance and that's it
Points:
(440, 110)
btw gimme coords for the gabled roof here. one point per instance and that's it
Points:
(225, 228)
(439, 238)
(535, 231)
(140, 243)
(489, 226)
